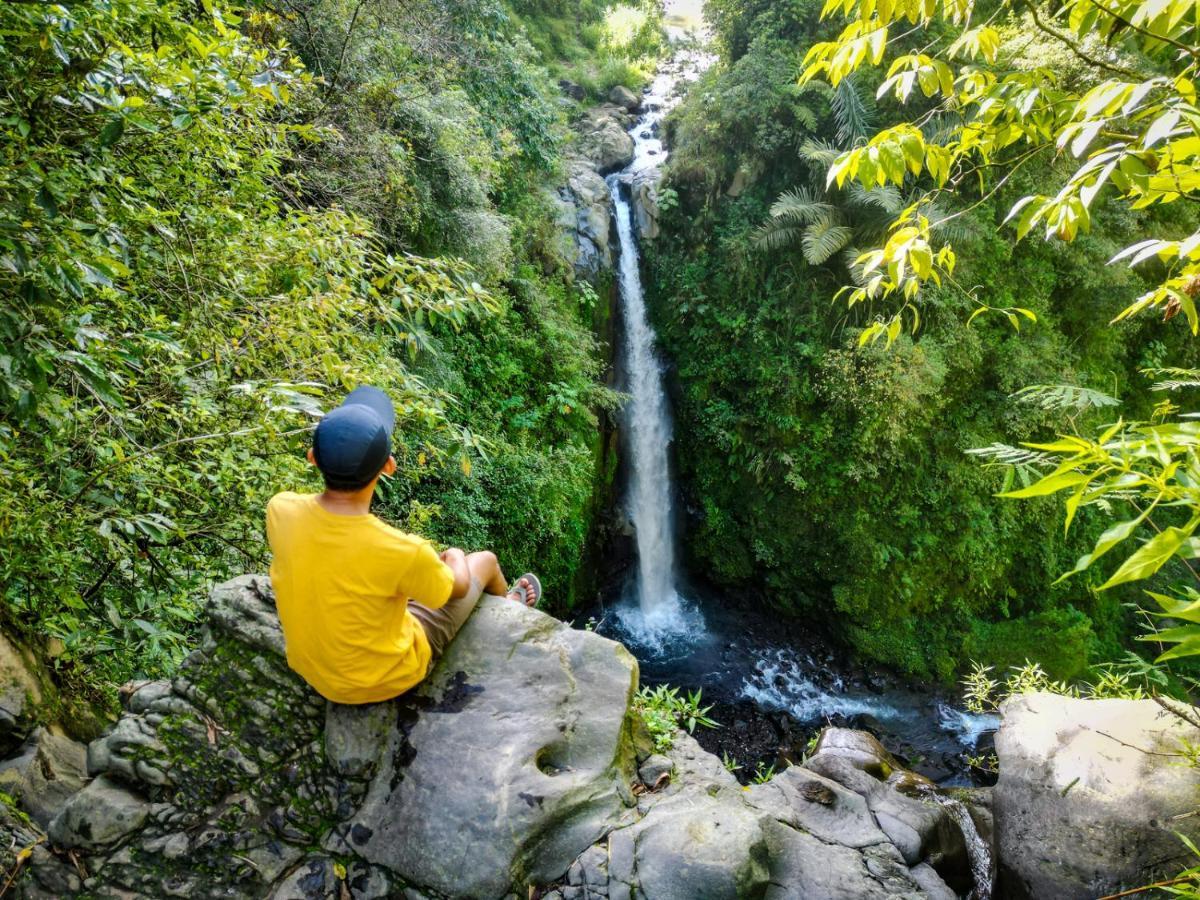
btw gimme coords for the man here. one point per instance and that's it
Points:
(366, 609)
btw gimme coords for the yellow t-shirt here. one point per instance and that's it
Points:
(342, 585)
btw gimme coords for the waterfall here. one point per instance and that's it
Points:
(648, 429)
(659, 612)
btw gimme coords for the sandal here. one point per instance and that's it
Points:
(534, 590)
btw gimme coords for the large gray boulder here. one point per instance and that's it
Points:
(625, 98)
(602, 138)
(800, 835)
(509, 761)
(1090, 795)
(585, 218)
(514, 756)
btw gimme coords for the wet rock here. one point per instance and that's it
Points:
(625, 98)
(644, 202)
(101, 814)
(20, 694)
(47, 771)
(1090, 793)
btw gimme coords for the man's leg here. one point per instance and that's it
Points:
(442, 624)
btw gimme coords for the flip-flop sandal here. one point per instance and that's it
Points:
(535, 588)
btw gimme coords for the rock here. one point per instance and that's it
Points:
(644, 202)
(531, 717)
(313, 879)
(99, 815)
(603, 140)
(49, 769)
(860, 749)
(509, 768)
(585, 217)
(798, 835)
(20, 693)
(625, 98)
(1089, 795)
(355, 737)
(741, 181)
(571, 89)
(654, 768)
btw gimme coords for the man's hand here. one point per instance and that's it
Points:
(456, 559)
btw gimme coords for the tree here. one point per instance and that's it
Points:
(1129, 128)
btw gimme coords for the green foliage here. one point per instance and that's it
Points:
(212, 223)
(837, 481)
(763, 773)
(979, 105)
(664, 710)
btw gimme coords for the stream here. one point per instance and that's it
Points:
(771, 682)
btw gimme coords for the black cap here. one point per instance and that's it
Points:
(352, 442)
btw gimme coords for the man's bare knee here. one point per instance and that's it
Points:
(483, 564)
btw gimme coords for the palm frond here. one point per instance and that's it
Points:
(1064, 396)
(823, 239)
(886, 198)
(821, 154)
(851, 114)
(800, 206)
(777, 236)
(850, 256)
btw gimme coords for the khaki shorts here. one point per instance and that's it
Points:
(442, 624)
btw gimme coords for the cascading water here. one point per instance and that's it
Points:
(659, 612)
(648, 428)
(735, 654)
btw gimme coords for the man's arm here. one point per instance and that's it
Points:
(457, 561)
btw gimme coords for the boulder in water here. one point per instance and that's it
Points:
(625, 98)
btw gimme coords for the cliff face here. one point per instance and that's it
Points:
(513, 767)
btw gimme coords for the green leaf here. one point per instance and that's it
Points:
(112, 131)
(1151, 556)
(1109, 539)
(1051, 484)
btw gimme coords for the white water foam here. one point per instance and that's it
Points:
(781, 680)
(968, 726)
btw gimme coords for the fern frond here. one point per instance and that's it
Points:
(1178, 378)
(1064, 396)
(805, 116)
(998, 454)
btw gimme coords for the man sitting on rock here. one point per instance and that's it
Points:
(365, 608)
